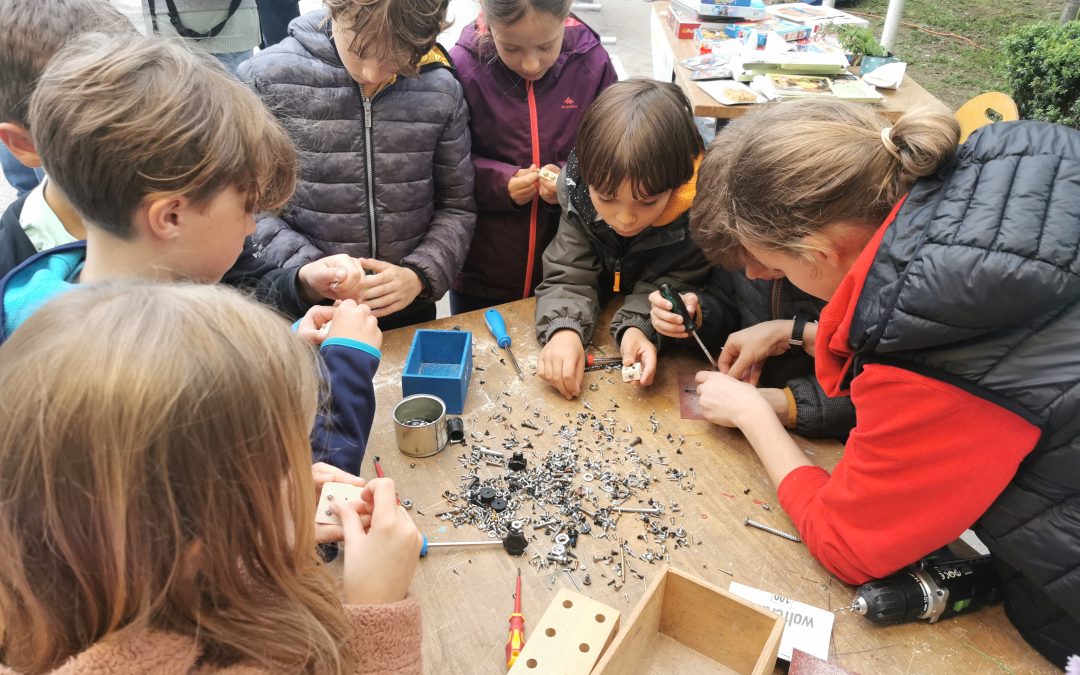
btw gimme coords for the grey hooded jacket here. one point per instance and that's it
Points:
(387, 178)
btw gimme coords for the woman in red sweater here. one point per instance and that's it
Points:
(952, 277)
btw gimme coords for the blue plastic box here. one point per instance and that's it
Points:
(440, 364)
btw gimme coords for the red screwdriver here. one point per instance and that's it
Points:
(516, 641)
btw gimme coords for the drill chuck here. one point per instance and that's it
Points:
(929, 590)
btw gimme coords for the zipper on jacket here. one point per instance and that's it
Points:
(777, 290)
(618, 275)
(369, 155)
(535, 207)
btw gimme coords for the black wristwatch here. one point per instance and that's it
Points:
(796, 339)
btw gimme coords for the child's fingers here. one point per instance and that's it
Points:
(352, 528)
(383, 501)
(324, 473)
(660, 302)
(648, 367)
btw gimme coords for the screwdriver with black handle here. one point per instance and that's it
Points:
(679, 307)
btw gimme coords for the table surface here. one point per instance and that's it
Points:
(466, 593)
(909, 95)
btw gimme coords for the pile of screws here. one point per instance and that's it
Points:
(595, 474)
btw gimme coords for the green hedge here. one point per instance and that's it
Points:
(1043, 71)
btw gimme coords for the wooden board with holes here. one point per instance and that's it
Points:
(467, 594)
(569, 638)
(897, 101)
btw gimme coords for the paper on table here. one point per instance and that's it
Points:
(888, 76)
(806, 627)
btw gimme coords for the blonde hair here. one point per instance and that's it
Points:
(123, 120)
(777, 176)
(642, 131)
(155, 474)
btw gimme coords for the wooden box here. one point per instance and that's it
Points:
(684, 625)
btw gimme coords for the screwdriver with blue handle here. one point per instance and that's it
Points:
(679, 307)
(497, 327)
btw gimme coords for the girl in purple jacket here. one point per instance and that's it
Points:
(530, 70)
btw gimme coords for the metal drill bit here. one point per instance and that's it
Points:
(772, 530)
(491, 542)
(513, 360)
(712, 361)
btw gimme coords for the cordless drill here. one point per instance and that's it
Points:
(929, 589)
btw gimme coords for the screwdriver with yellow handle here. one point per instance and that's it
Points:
(516, 641)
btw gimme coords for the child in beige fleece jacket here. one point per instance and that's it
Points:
(157, 498)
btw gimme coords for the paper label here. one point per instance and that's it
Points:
(806, 627)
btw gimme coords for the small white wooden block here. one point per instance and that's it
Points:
(631, 373)
(341, 493)
(570, 637)
(548, 174)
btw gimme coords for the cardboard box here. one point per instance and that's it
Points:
(685, 625)
(439, 363)
(683, 22)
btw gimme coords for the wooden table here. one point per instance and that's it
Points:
(668, 51)
(466, 593)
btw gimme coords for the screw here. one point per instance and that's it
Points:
(772, 530)
(620, 509)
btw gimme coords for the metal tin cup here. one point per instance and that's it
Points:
(419, 425)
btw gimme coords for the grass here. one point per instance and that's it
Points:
(950, 68)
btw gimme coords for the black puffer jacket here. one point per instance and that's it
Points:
(405, 197)
(977, 283)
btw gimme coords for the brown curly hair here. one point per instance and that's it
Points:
(398, 30)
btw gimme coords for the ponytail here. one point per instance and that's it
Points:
(782, 172)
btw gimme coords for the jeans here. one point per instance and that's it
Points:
(18, 175)
(274, 17)
(232, 60)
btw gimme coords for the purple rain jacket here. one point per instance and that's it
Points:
(513, 124)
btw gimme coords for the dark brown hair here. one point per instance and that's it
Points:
(121, 120)
(781, 173)
(399, 30)
(507, 12)
(642, 131)
(30, 35)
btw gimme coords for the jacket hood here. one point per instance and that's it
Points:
(988, 244)
(680, 201)
(578, 39)
(35, 282)
(312, 30)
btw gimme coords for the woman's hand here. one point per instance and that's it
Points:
(745, 351)
(730, 402)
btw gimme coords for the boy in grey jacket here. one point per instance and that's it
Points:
(625, 193)
(382, 124)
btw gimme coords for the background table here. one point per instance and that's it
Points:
(467, 593)
(668, 51)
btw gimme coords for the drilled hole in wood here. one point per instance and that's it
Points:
(550, 632)
(531, 663)
(600, 618)
(584, 646)
(567, 604)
